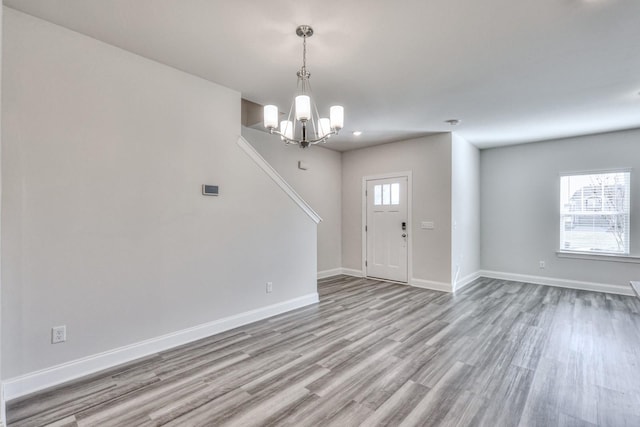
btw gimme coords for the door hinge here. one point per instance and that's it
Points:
(365, 263)
(365, 228)
(366, 192)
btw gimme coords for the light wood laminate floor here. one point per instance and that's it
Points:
(374, 353)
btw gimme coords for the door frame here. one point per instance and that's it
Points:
(403, 174)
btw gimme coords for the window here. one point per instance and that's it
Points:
(386, 194)
(594, 212)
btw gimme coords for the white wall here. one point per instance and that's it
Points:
(104, 226)
(429, 159)
(320, 186)
(2, 404)
(520, 205)
(465, 211)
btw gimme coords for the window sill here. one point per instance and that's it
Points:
(599, 257)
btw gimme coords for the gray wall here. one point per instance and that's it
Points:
(429, 159)
(465, 208)
(320, 186)
(2, 406)
(520, 205)
(104, 226)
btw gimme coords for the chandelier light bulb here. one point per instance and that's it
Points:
(324, 127)
(336, 113)
(270, 116)
(303, 107)
(286, 129)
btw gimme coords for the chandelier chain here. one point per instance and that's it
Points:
(303, 73)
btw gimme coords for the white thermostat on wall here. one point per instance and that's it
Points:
(209, 190)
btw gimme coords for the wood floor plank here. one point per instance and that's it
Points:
(396, 408)
(440, 399)
(373, 353)
(514, 389)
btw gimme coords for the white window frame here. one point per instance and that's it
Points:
(600, 255)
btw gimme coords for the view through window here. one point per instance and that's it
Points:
(594, 212)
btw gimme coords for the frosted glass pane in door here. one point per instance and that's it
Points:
(395, 193)
(386, 194)
(377, 195)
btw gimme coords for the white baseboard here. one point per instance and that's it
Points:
(55, 375)
(352, 272)
(561, 283)
(338, 271)
(329, 273)
(466, 280)
(429, 284)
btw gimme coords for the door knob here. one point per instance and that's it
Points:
(404, 234)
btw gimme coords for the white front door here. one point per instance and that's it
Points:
(387, 228)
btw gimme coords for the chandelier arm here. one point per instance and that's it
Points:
(297, 142)
(314, 125)
(323, 139)
(290, 120)
(286, 140)
(293, 103)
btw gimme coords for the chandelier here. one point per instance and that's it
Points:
(303, 125)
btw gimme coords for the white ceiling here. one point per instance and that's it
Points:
(512, 71)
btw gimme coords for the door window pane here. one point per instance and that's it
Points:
(395, 193)
(386, 194)
(377, 195)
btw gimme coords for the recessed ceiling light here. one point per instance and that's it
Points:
(453, 122)
(357, 132)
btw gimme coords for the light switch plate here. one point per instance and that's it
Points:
(209, 190)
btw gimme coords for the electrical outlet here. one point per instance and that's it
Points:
(269, 287)
(542, 265)
(58, 334)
